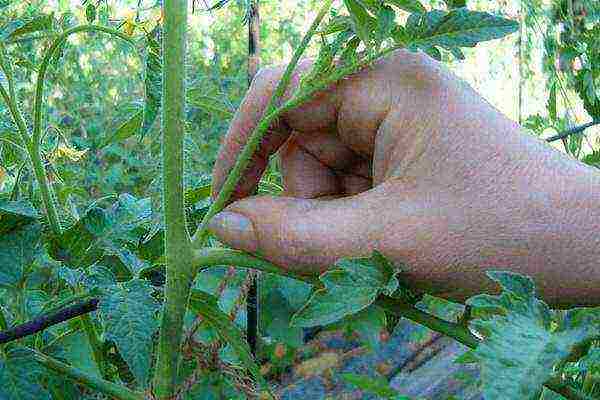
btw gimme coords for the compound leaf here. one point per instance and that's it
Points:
(522, 341)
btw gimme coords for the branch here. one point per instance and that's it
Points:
(573, 131)
(39, 324)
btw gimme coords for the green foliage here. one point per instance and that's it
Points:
(454, 29)
(153, 81)
(20, 27)
(350, 287)
(20, 376)
(207, 307)
(377, 386)
(18, 249)
(523, 341)
(113, 245)
(128, 314)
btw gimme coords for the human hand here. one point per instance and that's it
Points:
(406, 158)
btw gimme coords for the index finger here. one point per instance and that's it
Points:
(318, 113)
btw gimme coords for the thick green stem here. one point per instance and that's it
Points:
(90, 381)
(254, 140)
(177, 242)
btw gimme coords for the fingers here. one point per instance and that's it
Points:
(318, 164)
(302, 235)
(316, 114)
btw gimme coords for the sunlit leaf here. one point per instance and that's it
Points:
(522, 341)
(362, 22)
(126, 130)
(459, 28)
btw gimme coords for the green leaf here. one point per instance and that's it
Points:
(412, 6)
(14, 214)
(99, 277)
(74, 246)
(208, 104)
(18, 249)
(206, 306)
(374, 385)
(131, 261)
(362, 22)
(76, 349)
(126, 129)
(339, 23)
(386, 21)
(349, 288)
(455, 3)
(128, 316)
(90, 13)
(461, 28)
(368, 324)
(522, 345)
(20, 377)
(19, 27)
(152, 83)
(592, 158)
(199, 193)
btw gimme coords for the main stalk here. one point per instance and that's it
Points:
(177, 242)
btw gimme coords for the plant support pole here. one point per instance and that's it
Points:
(177, 242)
(252, 306)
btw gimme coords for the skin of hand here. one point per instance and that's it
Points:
(406, 158)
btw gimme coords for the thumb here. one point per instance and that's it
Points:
(303, 235)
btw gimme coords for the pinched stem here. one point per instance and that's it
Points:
(269, 115)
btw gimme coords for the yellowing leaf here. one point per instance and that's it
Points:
(129, 27)
(2, 175)
(65, 152)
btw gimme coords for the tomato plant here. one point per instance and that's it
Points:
(136, 267)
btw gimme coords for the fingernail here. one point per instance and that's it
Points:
(234, 229)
